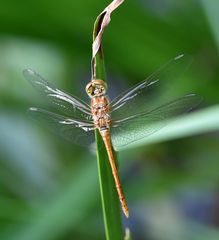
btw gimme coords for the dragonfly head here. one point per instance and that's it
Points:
(96, 87)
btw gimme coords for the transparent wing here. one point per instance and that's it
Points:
(150, 93)
(77, 131)
(66, 103)
(133, 128)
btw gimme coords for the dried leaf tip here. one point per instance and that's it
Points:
(104, 19)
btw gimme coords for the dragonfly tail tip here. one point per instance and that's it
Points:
(126, 212)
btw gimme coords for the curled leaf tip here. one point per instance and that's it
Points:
(102, 21)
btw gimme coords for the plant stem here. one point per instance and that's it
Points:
(109, 197)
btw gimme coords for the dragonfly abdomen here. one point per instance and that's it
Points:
(107, 141)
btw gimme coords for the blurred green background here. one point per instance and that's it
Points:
(49, 187)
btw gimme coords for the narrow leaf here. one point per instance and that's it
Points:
(109, 197)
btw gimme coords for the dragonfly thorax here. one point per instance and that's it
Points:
(100, 112)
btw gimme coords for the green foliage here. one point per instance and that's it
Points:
(49, 187)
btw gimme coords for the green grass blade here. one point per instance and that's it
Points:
(109, 197)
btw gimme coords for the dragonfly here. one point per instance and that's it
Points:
(134, 114)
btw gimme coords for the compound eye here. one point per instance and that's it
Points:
(96, 87)
(90, 89)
